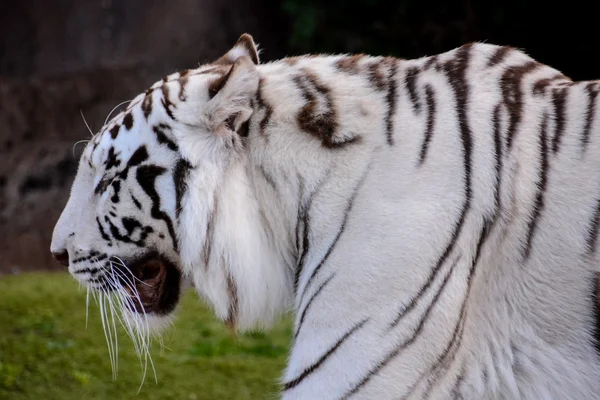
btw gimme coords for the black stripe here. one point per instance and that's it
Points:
(374, 371)
(559, 98)
(146, 176)
(102, 283)
(136, 201)
(138, 157)
(162, 138)
(101, 230)
(541, 185)
(147, 103)
(341, 230)
(268, 177)
(167, 106)
(457, 75)
(232, 313)
(457, 333)
(180, 177)
(183, 80)
(116, 185)
(431, 112)
(303, 314)
(128, 121)
(539, 88)
(499, 56)
(431, 61)
(263, 105)
(210, 230)
(80, 259)
(446, 357)
(130, 224)
(299, 220)
(216, 85)
(497, 154)
(510, 84)
(456, 70)
(410, 80)
(595, 281)
(93, 256)
(391, 102)
(375, 76)
(485, 231)
(102, 185)
(593, 231)
(114, 231)
(296, 381)
(590, 115)
(112, 160)
(456, 388)
(318, 115)
(114, 131)
(91, 271)
(349, 64)
(304, 218)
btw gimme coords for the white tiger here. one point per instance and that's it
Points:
(433, 223)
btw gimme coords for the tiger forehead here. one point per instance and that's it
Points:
(179, 77)
(125, 118)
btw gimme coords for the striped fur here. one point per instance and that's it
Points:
(433, 223)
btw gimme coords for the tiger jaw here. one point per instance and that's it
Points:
(151, 282)
(156, 284)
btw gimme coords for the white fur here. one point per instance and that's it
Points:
(526, 324)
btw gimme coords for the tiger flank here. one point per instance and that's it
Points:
(432, 223)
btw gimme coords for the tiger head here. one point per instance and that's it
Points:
(161, 198)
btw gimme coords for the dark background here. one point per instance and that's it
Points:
(60, 58)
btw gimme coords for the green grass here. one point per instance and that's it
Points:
(46, 352)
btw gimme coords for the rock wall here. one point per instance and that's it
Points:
(41, 37)
(64, 58)
(41, 121)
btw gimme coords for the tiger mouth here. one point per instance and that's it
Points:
(155, 287)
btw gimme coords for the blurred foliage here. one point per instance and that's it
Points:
(561, 36)
(47, 353)
(407, 28)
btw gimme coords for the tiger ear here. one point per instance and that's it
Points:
(244, 46)
(230, 104)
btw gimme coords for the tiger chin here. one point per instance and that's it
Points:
(431, 223)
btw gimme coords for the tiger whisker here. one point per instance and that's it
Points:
(113, 110)
(129, 284)
(87, 306)
(116, 338)
(126, 298)
(86, 124)
(138, 340)
(132, 331)
(141, 338)
(77, 142)
(162, 345)
(123, 298)
(110, 334)
(101, 296)
(122, 263)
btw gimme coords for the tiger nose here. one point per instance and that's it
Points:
(62, 257)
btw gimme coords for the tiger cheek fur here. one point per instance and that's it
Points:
(433, 223)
